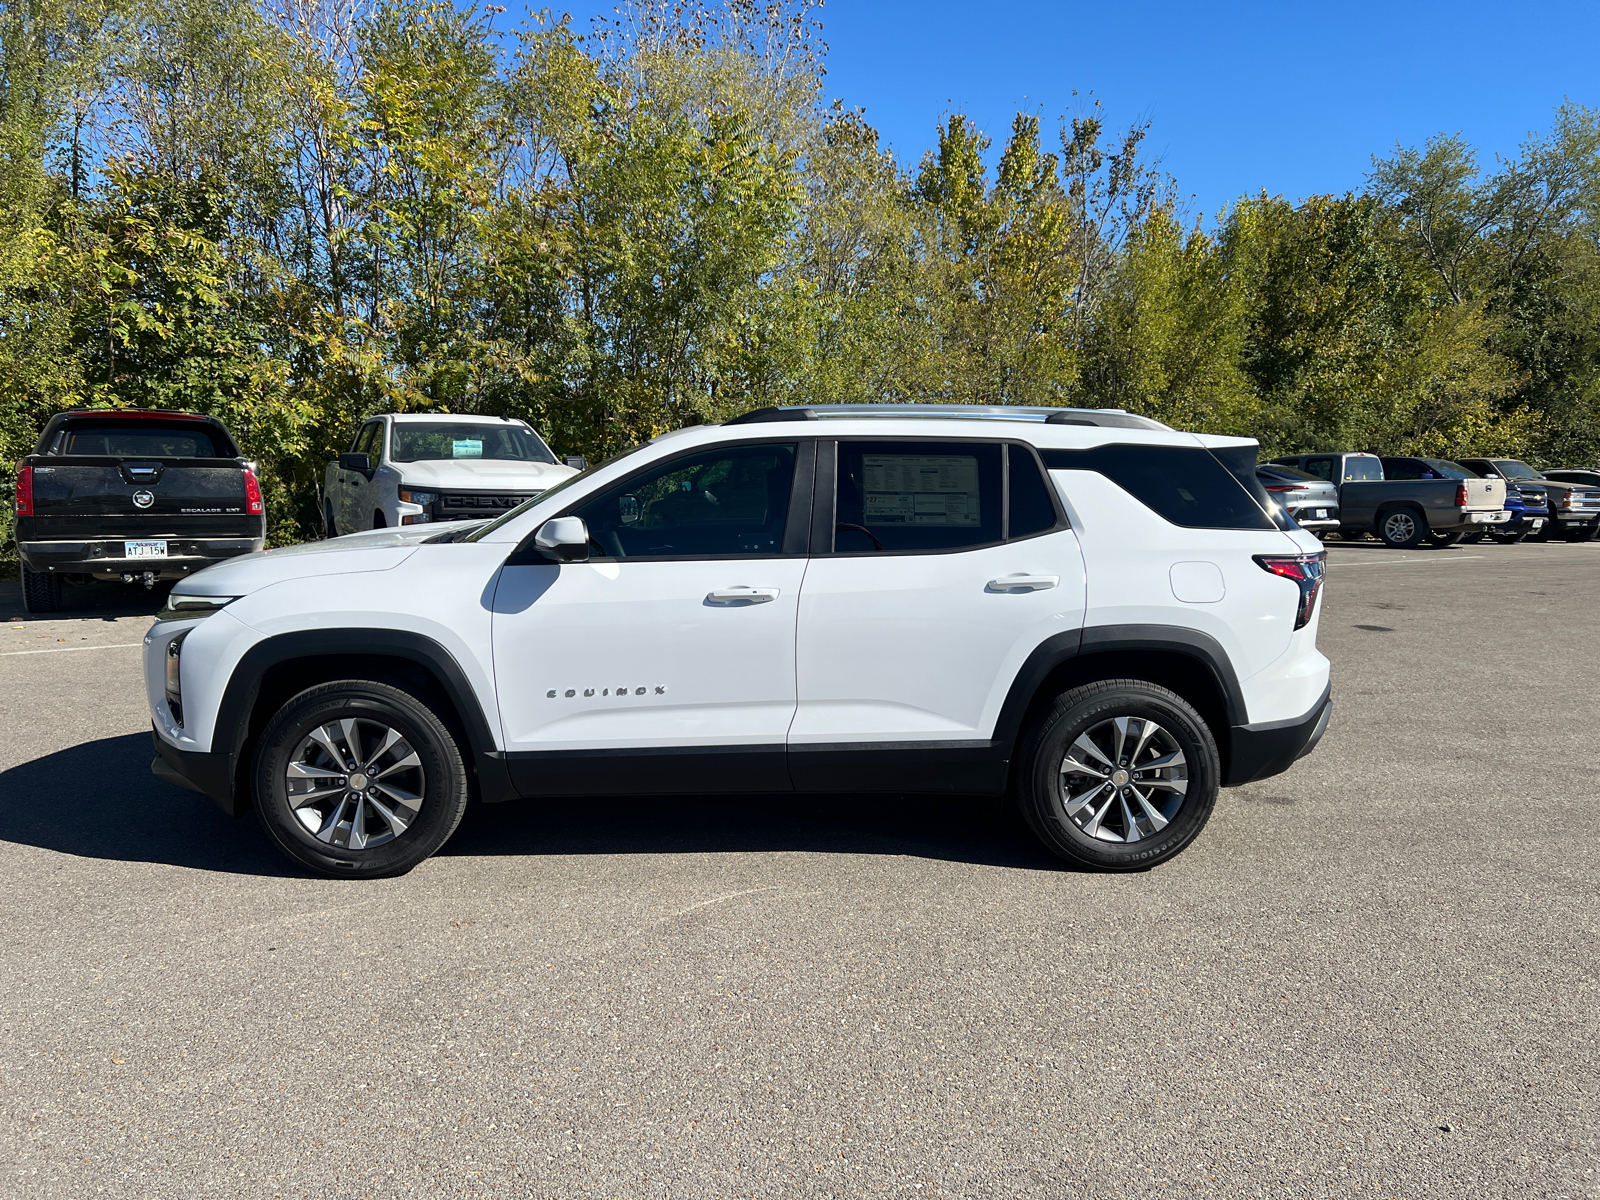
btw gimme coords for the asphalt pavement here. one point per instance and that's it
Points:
(1372, 976)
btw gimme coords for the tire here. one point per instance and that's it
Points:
(1583, 533)
(305, 729)
(377, 519)
(1515, 537)
(330, 527)
(1474, 538)
(1443, 541)
(1095, 834)
(41, 592)
(1401, 528)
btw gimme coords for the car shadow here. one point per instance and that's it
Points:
(99, 800)
(102, 599)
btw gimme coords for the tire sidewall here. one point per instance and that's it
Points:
(444, 774)
(1065, 723)
(1417, 529)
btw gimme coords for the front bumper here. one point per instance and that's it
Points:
(108, 556)
(202, 771)
(1261, 751)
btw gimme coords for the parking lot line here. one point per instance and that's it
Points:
(1395, 562)
(64, 649)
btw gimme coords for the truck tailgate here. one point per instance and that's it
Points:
(1485, 495)
(87, 497)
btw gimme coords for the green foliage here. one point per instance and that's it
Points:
(295, 215)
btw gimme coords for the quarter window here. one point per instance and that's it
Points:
(725, 502)
(1322, 468)
(1031, 510)
(917, 496)
(1188, 487)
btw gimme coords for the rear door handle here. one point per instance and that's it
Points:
(1023, 583)
(742, 595)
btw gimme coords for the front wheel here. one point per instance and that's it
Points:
(358, 779)
(1119, 775)
(1401, 528)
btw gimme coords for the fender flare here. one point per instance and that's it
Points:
(244, 684)
(1096, 639)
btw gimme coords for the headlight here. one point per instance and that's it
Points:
(411, 497)
(180, 607)
(175, 677)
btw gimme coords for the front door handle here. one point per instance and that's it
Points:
(1023, 583)
(742, 595)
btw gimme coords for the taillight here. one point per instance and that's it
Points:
(1284, 487)
(1461, 495)
(252, 492)
(25, 491)
(1306, 570)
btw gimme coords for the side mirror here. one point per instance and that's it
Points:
(356, 462)
(565, 539)
(577, 463)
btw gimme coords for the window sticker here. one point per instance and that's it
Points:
(466, 449)
(920, 489)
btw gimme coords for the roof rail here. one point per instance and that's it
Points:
(1115, 418)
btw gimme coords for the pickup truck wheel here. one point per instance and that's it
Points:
(1443, 540)
(1474, 537)
(41, 591)
(1583, 533)
(377, 519)
(330, 527)
(358, 779)
(1401, 528)
(1118, 776)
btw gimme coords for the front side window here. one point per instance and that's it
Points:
(731, 501)
(431, 441)
(917, 496)
(367, 441)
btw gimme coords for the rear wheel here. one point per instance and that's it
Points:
(1511, 537)
(1474, 537)
(1401, 528)
(357, 778)
(1443, 540)
(1119, 775)
(41, 591)
(1583, 533)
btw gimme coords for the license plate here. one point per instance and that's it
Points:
(1538, 523)
(144, 549)
(1320, 514)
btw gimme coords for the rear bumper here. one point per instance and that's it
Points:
(201, 771)
(107, 556)
(1271, 748)
(1477, 520)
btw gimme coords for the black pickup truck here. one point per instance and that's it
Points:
(136, 495)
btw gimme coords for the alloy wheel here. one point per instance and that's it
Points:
(1400, 526)
(1123, 780)
(355, 783)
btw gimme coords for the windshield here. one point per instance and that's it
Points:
(1512, 469)
(430, 441)
(1448, 470)
(477, 534)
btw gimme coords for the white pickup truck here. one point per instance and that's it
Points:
(417, 468)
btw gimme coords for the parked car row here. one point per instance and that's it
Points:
(1403, 501)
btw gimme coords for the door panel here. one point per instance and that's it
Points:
(597, 656)
(924, 647)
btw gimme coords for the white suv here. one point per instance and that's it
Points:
(1107, 618)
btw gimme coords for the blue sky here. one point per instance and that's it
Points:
(1294, 98)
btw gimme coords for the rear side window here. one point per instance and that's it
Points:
(145, 439)
(1322, 468)
(1405, 468)
(1362, 468)
(917, 496)
(1187, 486)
